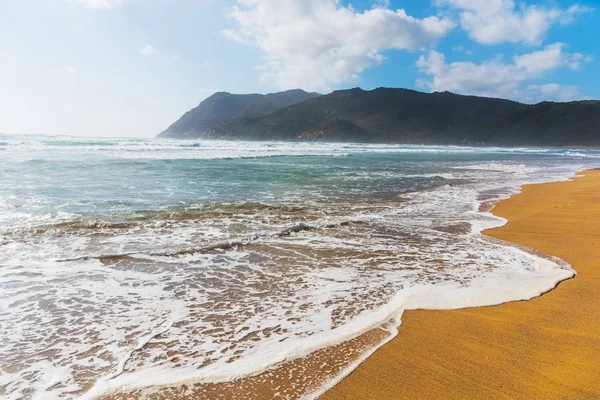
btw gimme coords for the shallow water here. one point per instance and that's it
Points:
(128, 264)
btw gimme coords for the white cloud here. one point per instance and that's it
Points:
(147, 50)
(495, 78)
(70, 69)
(100, 4)
(567, 17)
(536, 93)
(315, 44)
(550, 58)
(233, 35)
(461, 49)
(496, 21)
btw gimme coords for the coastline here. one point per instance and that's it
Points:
(546, 347)
(325, 367)
(387, 230)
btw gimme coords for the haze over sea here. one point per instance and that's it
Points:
(128, 264)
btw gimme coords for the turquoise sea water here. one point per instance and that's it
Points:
(117, 254)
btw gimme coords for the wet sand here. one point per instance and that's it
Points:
(544, 348)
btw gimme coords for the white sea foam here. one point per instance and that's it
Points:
(171, 312)
(38, 149)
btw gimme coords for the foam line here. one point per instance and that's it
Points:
(201, 269)
(141, 344)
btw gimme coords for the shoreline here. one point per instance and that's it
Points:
(328, 371)
(325, 379)
(546, 347)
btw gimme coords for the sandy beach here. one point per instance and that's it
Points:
(280, 267)
(544, 348)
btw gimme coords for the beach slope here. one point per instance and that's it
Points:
(544, 348)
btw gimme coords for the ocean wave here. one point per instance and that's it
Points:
(214, 149)
(199, 271)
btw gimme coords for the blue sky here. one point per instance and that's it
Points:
(131, 67)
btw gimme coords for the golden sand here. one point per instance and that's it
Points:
(544, 348)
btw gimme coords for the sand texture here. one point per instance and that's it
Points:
(544, 348)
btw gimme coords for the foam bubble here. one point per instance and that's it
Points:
(104, 294)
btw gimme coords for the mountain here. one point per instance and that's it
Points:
(387, 115)
(223, 106)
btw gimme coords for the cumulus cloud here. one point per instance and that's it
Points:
(99, 4)
(147, 50)
(497, 21)
(314, 44)
(495, 78)
(550, 58)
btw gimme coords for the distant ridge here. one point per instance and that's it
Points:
(386, 115)
(223, 106)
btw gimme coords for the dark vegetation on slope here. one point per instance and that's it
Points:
(387, 115)
(222, 106)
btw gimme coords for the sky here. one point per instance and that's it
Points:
(132, 67)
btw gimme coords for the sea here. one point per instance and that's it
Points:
(156, 268)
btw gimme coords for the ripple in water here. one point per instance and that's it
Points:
(280, 291)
